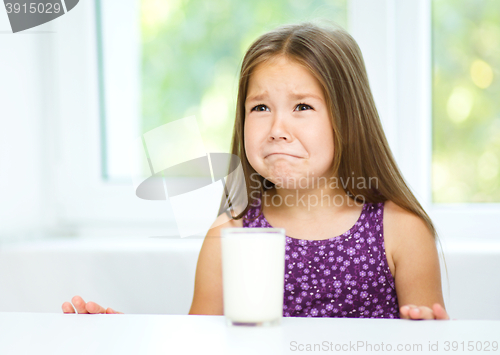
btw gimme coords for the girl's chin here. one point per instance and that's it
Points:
(291, 184)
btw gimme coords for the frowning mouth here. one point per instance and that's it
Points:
(282, 154)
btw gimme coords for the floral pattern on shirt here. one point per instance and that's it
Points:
(344, 276)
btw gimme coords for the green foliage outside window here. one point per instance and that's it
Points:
(466, 105)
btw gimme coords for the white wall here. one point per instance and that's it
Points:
(133, 275)
(24, 101)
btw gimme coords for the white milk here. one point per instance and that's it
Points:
(253, 269)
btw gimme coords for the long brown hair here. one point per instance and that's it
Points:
(361, 149)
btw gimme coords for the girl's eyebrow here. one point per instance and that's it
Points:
(256, 97)
(296, 96)
(306, 95)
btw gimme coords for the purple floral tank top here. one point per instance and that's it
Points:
(344, 276)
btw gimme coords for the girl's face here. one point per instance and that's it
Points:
(288, 132)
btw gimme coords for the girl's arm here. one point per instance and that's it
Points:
(417, 270)
(207, 298)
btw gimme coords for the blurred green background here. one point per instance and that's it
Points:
(192, 51)
(466, 101)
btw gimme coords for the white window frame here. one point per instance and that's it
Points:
(397, 53)
(85, 203)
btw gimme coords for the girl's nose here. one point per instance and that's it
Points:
(279, 130)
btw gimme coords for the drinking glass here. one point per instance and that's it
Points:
(253, 272)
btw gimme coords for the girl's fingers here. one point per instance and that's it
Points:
(112, 311)
(67, 308)
(85, 308)
(79, 304)
(404, 311)
(414, 312)
(421, 312)
(440, 312)
(94, 308)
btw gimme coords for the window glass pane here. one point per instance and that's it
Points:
(466, 105)
(192, 50)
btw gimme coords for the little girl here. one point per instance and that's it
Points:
(316, 162)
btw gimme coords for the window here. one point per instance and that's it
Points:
(165, 60)
(466, 109)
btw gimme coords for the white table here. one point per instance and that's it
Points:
(51, 333)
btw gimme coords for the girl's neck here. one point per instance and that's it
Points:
(308, 203)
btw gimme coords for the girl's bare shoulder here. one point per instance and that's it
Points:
(225, 220)
(398, 221)
(402, 230)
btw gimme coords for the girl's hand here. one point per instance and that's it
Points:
(422, 312)
(85, 308)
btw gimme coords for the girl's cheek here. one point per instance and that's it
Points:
(249, 146)
(252, 134)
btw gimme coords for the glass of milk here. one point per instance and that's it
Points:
(253, 272)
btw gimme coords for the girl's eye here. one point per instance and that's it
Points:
(299, 107)
(303, 107)
(259, 108)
